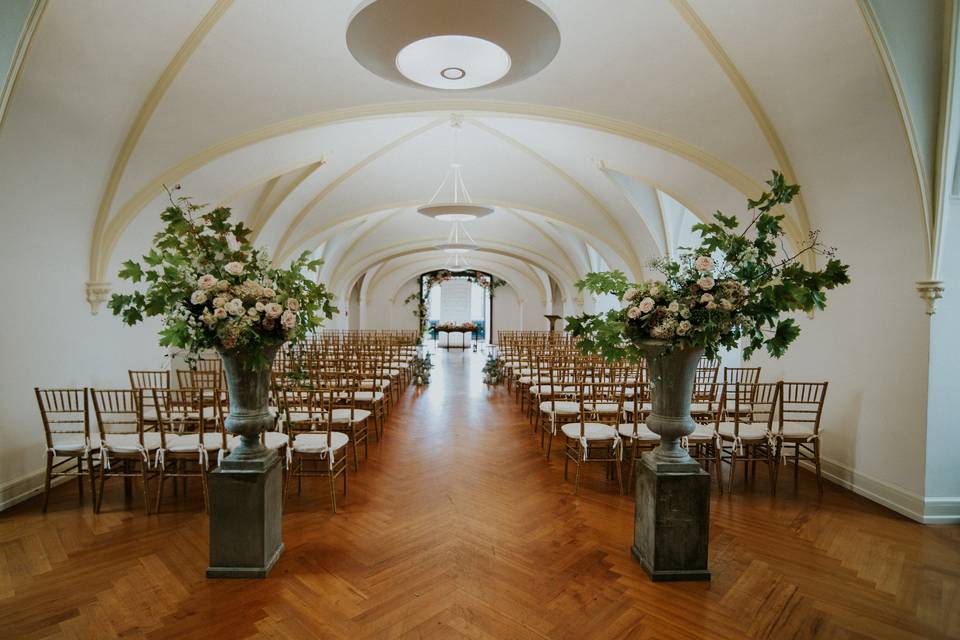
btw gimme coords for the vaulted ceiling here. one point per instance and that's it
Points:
(652, 114)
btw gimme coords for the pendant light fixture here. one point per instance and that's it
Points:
(460, 208)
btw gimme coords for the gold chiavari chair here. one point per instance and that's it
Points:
(315, 449)
(800, 410)
(562, 403)
(345, 416)
(65, 414)
(594, 441)
(635, 433)
(123, 440)
(746, 424)
(149, 379)
(187, 436)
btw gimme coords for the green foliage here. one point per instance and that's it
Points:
(741, 297)
(213, 289)
(493, 370)
(421, 369)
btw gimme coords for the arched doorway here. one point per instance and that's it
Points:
(458, 298)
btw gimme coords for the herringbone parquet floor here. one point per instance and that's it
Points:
(457, 527)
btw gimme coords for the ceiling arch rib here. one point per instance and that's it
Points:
(263, 212)
(315, 235)
(105, 240)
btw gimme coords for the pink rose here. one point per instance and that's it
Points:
(288, 320)
(272, 309)
(207, 282)
(630, 294)
(704, 263)
(646, 305)
(706, 298)
(233, 268)
(706, 283)
(711, 306)
(293, 304)
(219, 313)
(633, 313)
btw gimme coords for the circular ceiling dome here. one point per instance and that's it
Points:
(453, 44)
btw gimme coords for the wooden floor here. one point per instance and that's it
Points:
(458, 527)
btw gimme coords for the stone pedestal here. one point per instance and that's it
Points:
(672, 525)
(246, 509)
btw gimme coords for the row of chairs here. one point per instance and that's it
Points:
(324, 395)
(601, 409)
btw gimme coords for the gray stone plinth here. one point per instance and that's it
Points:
(672, 525)
(246, 512)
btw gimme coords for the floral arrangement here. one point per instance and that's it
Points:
(488, 282)
(493, 370)
(420, 313)
(452, 327)
(214, 290)
(736, 286)
(421, 369)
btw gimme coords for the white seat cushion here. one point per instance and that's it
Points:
(130, 443)
(275, 440)
(748, 431)
(600, 407)
(643, 432)
(317, 442)
(644, 406)
(702, 407)
(591, 430)
(797, 431)
(72, 443)
(375, 384)
(703, 432)
(560, 406)
(367, 396)
(343, 415)
(191, 442)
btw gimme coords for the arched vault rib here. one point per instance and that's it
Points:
(107, 235)
(630, 254)
(595, 238)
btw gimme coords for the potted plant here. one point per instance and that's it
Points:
(737, 287)
(214, 290)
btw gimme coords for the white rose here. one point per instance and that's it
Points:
(234, 307)
(288, 320)
(259, 306)
(233, 268)
(673, 307)
(222, 285)
(633, 313)
(198, 297)
(684, 328)
(219, 301)
(704, 263)
(646, 305)
(630, 294)
(685, 312)
(269, 293)
(272, 309)
(253, 313)
(207, 282)
(654, 289)
(220, 313)
(706, 298)
(711, 306)
(293, 304)
(706, 283)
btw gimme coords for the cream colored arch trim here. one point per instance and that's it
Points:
(572, 224)
(561, 251)
(8, 82)
(370, 228)
(104, 236)
(631, 256)
(895, 85)
(292, 227)
(753, 104)
(419, 266)
(264, 212)
(105, 241)
(406, 249)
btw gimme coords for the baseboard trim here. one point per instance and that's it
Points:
(25, 487)
(906, 503)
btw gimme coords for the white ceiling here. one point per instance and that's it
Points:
(264, 109)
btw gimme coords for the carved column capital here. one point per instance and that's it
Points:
(97, 294)
(930, 291)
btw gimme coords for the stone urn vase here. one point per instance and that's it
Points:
(249, 391)
(672, 373)
(246, 492)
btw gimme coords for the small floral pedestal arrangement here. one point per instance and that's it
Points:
(214, 290)
(734, 289)
(421, 369)
(453, 327)
(493, 370)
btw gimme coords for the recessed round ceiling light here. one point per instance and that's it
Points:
(453, 44)
(453, 62)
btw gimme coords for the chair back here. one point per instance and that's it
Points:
(63, 411)
(118, 411)
(802, 403)
(181, 411)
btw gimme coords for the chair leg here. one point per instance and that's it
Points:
(776, 465)
(356, 454)
(576, 481)
(146, 485)
(718, 459)
(816, 459)
(203, 487)
(46, 480)
(96, 508)
(93, 480)
(617, 470)
(770, 469)
(80, 477)
(733, 467)
(549, 444)
(345, 473)
(566, 462)
(291, 470)
(333, 491)
(160, 480)
(796, 464)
